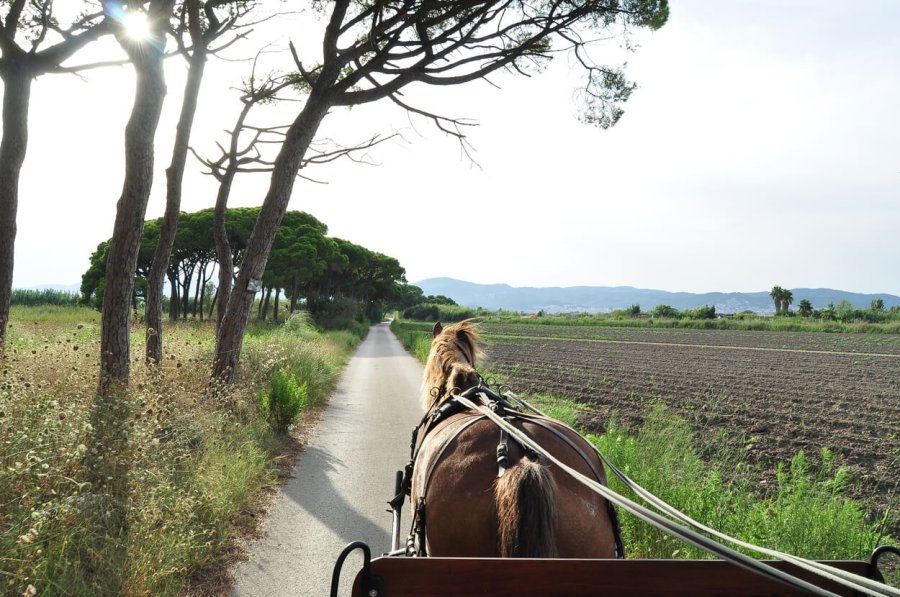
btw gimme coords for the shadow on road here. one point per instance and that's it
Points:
(315, 492)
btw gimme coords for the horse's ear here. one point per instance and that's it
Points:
(438, 328)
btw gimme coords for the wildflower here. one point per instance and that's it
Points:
(31, 591)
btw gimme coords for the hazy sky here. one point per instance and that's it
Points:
(760, 148)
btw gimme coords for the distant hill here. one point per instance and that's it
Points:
(599, 299)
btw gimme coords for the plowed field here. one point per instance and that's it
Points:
(773, 392)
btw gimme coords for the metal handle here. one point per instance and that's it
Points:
(372, 586)
(874, 572)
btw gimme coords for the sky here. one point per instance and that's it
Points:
(760, 149)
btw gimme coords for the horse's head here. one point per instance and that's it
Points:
(451, 362)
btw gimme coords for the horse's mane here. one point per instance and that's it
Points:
(451, 362)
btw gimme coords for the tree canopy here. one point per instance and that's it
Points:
(309, 266)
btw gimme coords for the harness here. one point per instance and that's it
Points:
(452, 410)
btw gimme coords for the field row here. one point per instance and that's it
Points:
(773, 402)
(811, 341)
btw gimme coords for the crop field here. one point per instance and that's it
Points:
(770, 394)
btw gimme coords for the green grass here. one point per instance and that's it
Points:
(415, 337)
(195, 461)
(805, 514)
(754, 323)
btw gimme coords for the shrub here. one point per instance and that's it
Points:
(665, 312)
(300, 325)
(284, 400)
(438, 312)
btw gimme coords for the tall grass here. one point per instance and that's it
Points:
(805, 513)
(196, 459)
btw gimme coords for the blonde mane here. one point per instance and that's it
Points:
(451, 362)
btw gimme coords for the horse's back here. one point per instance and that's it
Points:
(457, 470)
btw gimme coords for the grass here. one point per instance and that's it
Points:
(804, 513)
(754, 323)
(194, 461)
(415, 337)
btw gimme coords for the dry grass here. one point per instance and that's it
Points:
(195, 463)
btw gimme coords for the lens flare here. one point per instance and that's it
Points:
(136, 25)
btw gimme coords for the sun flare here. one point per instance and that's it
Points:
(136, 25)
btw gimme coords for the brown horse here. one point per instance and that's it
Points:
(465, 504)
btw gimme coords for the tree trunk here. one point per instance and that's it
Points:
(277, 300)
(230, 337)
(174, 178)
(293, 296)
(186, 291)
(173, 294)
(150, 91)
(266, 303)
(223, 249)
(212, 305)
(16, 93)
(206, 280)
(262, 301)
(197, 288)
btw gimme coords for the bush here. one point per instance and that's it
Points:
(704, 312)
(665, 312)
(439, 312)
(300, 325)
(284, 400)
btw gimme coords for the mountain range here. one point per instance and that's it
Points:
(601, 299)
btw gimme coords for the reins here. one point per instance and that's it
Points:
(668, 525)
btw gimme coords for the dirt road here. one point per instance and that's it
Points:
(343, 478)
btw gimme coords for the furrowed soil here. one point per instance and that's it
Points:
(770, 394)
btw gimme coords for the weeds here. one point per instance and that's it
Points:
(284, 400)
(196, 458)
(805, 514)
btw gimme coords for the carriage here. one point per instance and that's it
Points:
(539, 519)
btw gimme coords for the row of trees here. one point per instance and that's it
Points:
(47, 296)
(844, 311)
(309, 267)
(370, 51)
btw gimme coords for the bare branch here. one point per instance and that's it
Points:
(13, 16)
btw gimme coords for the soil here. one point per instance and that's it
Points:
(772, 393)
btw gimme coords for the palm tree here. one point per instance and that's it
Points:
(787, 297)
(777, 294)
(805, 308)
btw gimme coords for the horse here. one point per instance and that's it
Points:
(469, 500)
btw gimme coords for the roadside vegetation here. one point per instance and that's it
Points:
(199, 458)
(799, 507)
(840, 318)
